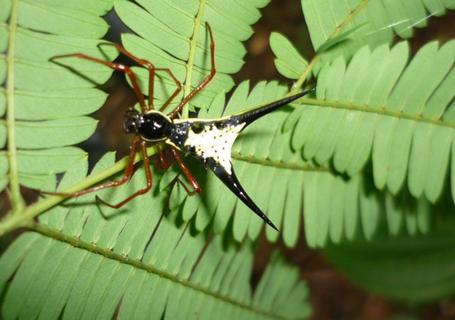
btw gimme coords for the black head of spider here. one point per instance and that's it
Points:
(155, 126)
(132, 121)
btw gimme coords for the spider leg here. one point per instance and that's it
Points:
(111, 184)
(117, 67)
(187, 174)
(177, 90)
(204, 82)
(148, 176)
(187, 190)
(151, 68)
(161, 159)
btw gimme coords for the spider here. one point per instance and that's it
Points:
(210, 141)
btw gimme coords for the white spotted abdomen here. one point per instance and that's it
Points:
(213, 142)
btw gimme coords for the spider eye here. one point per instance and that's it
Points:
(197, 127)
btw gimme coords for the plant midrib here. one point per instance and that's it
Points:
(381, 110)
(17, 202)
(298, 84)
(190, 63)
(77, 243)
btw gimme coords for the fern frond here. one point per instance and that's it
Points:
(337, 208)
(383, 106)
(378, 22)
(41, 97)
(80, 262)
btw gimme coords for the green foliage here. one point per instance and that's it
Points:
(383, 119)
(369, 153)
(379, 21)
(288, 62)
(336, 209)
(398, 113)
(378, 108)
(85, 261)
(411, 269)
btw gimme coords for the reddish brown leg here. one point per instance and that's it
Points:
(187, 190)
(177, 90)
(148, 177)
(111, 184)
(186, 172)
(162, 160)
(207, 79)
(130, 166)
(147, 64)
(117, 67)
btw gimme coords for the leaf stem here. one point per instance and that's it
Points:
(298, 84)
(382, 110)
(349, 18)
(17, 202)
(192, 54)
(280, 164)
(11, 222)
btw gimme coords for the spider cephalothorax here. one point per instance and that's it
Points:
(153, 126)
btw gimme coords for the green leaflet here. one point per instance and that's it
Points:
(57, 104)
(32, 32)
(53, 160)
(140, 263)
(72, 21)
(414, 269)
(37, 135)
(289, 62)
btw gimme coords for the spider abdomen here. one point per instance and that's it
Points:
(210, 140)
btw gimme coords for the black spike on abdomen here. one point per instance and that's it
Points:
(250, 116)
(231, 181)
